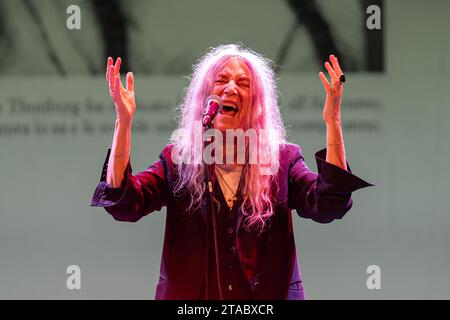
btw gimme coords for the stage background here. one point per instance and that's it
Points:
(55, 129)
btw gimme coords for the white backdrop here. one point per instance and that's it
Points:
(396, 136)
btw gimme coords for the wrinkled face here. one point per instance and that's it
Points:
(233, 85)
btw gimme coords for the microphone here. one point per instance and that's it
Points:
(213, 106)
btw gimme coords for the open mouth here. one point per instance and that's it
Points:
(229, 109)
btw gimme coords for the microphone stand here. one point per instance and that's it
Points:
(208, 174)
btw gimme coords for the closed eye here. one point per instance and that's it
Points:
(220, 80)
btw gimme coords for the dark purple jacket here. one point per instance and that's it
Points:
(321, 197)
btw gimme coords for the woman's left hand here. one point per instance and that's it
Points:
(333, 90)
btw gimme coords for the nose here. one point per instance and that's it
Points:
(231, 88)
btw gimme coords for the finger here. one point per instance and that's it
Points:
(117, 66)
(117, 84)
(111, 77)
(325, 82)
(335, 64)
(130, 81)
(331, 72)
(108, 65)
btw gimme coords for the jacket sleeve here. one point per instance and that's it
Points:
(138, 194)
(322, 196)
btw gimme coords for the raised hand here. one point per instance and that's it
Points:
(333, 90)
(123, 98)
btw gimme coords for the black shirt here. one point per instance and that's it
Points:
(238, 278)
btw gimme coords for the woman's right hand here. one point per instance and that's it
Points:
(123, 98)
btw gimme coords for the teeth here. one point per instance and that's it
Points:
(228, 107)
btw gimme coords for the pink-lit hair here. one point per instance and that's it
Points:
(257, 203)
